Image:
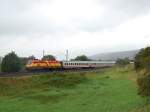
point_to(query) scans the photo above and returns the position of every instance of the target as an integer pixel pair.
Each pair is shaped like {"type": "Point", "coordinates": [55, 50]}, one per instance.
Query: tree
{"type": "Point", "coordinates": [0, 60]}
{"type": "Point", "coordinates": [24, 60]}
{"type": "Point", "coordinates": [49, 58]}
{"type": "Point", "coordinates": [142, 65]}
{"type": "Point", "coordinates": [82, 58]}
{"type": "Point", "coordinates": [31, 57]}
{"type": "Point", "coordinates": [11, 63]}
{"type": "Point", "coordinates": [123, 62]}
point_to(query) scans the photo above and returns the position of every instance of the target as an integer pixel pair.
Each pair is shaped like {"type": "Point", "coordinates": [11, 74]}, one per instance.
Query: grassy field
{"type": "Point", "coordinates": [111, 90]}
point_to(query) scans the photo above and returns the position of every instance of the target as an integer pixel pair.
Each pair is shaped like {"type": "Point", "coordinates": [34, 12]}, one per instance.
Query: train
{"type": "Point", "coordinates": [51, 65]}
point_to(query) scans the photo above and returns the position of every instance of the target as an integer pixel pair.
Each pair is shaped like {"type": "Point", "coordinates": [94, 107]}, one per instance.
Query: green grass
{"type": "Point", "coordinates": [111, 90]}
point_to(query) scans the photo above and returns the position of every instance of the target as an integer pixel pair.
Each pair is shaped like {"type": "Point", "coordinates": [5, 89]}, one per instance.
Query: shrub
{"type": "Point", "coordinates": [143, 82]}
{"type": "Point", "coordinates": [123, 62]}
{"type": "Point", "coordinates": [11, 63]}
{"type": "Point", "coordinates": [142, 65]}
{"type": "Point", "coordinates": [142, 59]}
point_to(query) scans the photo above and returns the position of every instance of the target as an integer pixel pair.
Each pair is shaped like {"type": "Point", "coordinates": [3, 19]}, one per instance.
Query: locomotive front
{"type": "Point", "coordinates": [40, 64]}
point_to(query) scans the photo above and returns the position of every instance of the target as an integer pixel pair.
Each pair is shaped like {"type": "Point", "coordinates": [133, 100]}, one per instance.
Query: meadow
{"type": "Point", "coordinates": [107, 90]}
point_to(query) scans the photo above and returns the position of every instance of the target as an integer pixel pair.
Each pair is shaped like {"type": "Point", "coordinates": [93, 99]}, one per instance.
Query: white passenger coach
{"type": "Point", "coordinates": [87, 64]}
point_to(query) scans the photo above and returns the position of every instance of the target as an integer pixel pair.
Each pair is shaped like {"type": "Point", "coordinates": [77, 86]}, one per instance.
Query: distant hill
{"type": "Point", "coordinates": [115, 55]}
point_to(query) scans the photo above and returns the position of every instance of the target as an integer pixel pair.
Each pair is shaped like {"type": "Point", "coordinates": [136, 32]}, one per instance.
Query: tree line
{"type": "Point", "coordinates": [13, 63]}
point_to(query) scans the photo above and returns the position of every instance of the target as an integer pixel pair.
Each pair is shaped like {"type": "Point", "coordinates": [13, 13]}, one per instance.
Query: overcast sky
{"type": "Point", "coordinates": [82, 26]}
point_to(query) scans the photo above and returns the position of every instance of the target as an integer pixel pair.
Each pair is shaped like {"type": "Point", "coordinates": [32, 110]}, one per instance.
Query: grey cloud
{"type": "Point", "coordinates": [21, 24]}
{"type": "Point", "coordinates": [130, 6]}
{"type": "Point", "coordinates": [16, 16]}
{"type": "Point", "coordinates": [117, 12]}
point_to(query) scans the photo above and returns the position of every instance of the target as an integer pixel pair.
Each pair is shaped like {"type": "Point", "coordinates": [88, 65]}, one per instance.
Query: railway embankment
{"type": "Point", "coordinates": [109, 90]}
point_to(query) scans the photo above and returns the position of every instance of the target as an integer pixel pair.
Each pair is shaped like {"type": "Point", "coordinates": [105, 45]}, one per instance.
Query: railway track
{"type": "Point", "coordinates": [29, 73]}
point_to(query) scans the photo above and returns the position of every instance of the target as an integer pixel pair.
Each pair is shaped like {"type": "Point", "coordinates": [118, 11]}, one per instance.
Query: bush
{"type": "Point", "coordinates": [142, 65]}
{"type": "Point", "coordinates": [143, 82]}
{"type": "Point", "coordinates": [142, 59]}
{"type": "Point", "coordinates": [123, 62]}
{"type": "Point", "coordinates": [11, 63]}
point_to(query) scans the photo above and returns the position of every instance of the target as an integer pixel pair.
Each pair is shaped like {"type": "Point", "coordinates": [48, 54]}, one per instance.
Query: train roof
{"type": "Point", "coordinates": [88, 61]}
